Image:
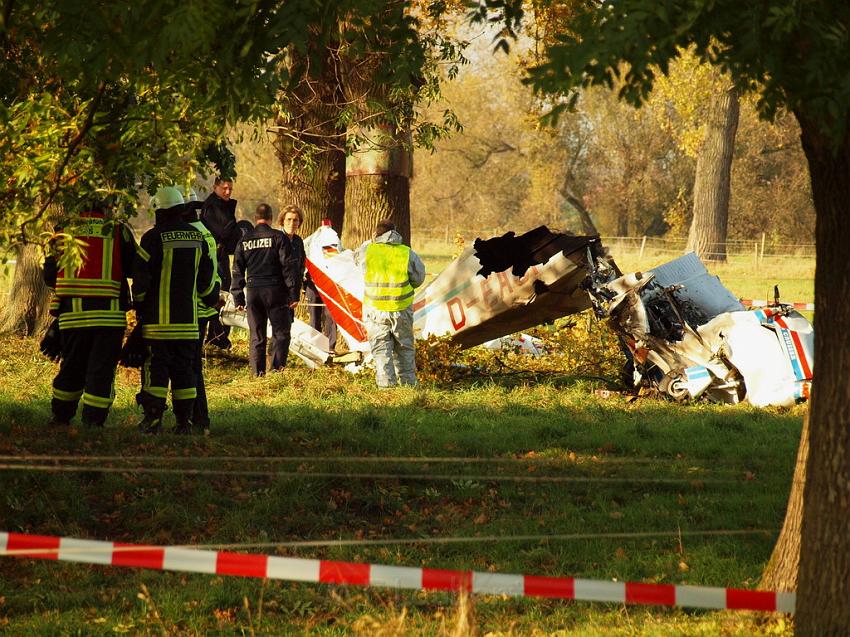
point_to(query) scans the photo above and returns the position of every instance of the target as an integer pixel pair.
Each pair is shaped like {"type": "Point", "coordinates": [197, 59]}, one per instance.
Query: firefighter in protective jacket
{"type": "Point", "coordinates": [174, 271]}
{"type": "Point", "coordinates": [91, 302]}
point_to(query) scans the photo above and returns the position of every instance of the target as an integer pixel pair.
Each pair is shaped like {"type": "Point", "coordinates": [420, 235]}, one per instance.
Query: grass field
{"type": "Point", "coordinates": [647, 465]}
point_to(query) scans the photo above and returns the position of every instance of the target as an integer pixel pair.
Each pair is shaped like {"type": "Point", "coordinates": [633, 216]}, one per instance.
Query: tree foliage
{"type": "Point", "coordinates": [100, 101]}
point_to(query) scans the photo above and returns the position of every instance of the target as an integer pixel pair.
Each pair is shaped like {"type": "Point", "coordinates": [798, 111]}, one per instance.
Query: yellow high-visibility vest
{"type": "Point", "coordinates": [388, 287]}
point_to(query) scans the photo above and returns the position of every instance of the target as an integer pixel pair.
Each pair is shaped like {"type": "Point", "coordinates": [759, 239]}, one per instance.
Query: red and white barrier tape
{"type": "Point", "coordinates": [175, 558]}
{"type": "Point", "coordinates": [797, 305]}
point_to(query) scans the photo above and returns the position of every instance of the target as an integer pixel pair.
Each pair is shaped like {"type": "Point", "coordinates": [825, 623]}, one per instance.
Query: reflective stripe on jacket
{"type": "Point", "coordinates": [168, 284]}
{"type": "Point", "coordinates": [204, 310]}
{"type": "Point", "coordinates": [388, 287]}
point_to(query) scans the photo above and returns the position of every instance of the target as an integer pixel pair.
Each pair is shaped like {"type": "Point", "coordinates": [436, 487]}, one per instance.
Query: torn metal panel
{"type": "Point", "coordinates": [309, 345]}
{"type": "Point", "coordinates": [506, 284]}
{"type": "Point", "coordinates": [696, 288]}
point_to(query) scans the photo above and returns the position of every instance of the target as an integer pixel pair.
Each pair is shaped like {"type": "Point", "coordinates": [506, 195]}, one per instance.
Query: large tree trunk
{"type": "Point", "coordinates": [707, 236]}
{"type": "Point", "coordinates": [824, 582]}
{"type": "Point", "coordinates": [783, 568]}
{"type": "Point", "coordinates": [311, 148]}
{"type": "Point", "coordinates": [25, 312]}
{"type": "Point", "coordinates": [378, 171]}
{"type": "Point", "coordinates": [371, 198]}
{"type": "Point", "coordinates": [319, 190]}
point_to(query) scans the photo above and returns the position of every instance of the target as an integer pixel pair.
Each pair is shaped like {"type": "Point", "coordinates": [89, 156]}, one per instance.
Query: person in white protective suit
{"type": "Point", "coordinates": [391, 271]}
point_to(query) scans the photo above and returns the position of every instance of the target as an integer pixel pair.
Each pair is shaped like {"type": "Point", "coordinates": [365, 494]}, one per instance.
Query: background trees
{"type": "Point", "coordinates": [632, 170]}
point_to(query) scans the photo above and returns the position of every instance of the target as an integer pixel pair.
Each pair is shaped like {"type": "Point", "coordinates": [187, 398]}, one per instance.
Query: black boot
{"type": "Point", "coordinates": [151, 423]}
{"type": "Point", "coordinates": [183, 428]}
{"type": "Point", "coordinates": [58, 423]}
{"type": "Point", "coordinates": [93, 416]}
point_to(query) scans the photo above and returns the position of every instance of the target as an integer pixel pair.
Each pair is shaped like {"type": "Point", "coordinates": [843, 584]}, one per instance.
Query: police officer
{"type": "Point", "coordinates": [174, 271]}
{"type": "Point", "coordinates": [391, 271]}
{"type": "Point", "coordinates": [219, 216]}
{"type": "Point", "coordinates": [200, 412]}
{"type": "Point", "coordinates": [91, 302]}
{"type": "Point", "coordinates": [266, 265]}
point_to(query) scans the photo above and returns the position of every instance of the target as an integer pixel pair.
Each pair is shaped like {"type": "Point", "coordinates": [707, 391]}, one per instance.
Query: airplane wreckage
{"type": "Point", "coordinates": [682, 332]}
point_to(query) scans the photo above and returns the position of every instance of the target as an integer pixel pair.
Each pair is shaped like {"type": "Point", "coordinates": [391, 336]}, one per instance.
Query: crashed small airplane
{"type": "Point", "coordinates": [682, 331]}
{"type": "Point", "coordinates": [688, 336]}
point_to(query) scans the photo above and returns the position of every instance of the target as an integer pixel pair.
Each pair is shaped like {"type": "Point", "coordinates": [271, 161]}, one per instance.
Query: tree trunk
{"type": "Point", "coordinates": [310, 146]}
{"type": "Point", "coordinates": [379, 168]}
{"type": "Point", "coordinates": [588, 228]}
{"type": "Point", "coordinates": [25, 313]}
{"type": "Point", "coordinates": [824, 581]}
{"type": "Point", "coordinates": [319, 190]}
{"type": "Point", "coordinates": [782, 569]}
{"type": "Point", "coordinates": [371, 198]}
{"type": "Point", "coordinates": [623, 223]}
{"type": "Point", "coordinates": [707, 236]}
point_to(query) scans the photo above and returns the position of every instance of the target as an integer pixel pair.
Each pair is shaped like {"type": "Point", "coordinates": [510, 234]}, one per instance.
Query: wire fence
{"type": "Point", "coordinates": [758, 246]}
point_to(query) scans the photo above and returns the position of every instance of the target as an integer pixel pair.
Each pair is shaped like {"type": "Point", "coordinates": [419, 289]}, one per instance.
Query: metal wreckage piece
{"type": "Point", "coordinates": [682, 331]}
{"type": "Point", "coordinates": [688, 336]}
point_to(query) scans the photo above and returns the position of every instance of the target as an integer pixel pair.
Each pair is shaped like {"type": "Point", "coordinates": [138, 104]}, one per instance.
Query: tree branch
{"type": "Point", "coordinates": [72, 150]}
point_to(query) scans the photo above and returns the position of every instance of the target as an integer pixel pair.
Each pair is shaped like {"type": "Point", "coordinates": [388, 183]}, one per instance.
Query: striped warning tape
{"type": "Point", "coordinates": [797, 305]}
{"type": "Point", "coordinates": [175, 558]}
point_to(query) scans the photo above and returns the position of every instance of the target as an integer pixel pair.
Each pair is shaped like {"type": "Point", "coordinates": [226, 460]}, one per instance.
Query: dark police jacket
{"type": "Point", "coordinates": [219, 216]}
{"type": "Point", "coordinates": [174, 270]}
{"type": "Point", "coordinates": [264, 257]}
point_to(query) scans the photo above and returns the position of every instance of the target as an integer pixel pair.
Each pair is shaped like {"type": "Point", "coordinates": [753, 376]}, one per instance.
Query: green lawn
{"type": "Point", "coordinates": [645, 465]}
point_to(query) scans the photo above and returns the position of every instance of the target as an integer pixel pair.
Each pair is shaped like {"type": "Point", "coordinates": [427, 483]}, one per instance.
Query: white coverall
{"type": "Point", "coordinates": [391, 333]}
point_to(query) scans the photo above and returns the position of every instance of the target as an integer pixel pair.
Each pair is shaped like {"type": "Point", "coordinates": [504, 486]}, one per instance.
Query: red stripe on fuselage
{"type": "Point", "coordinates": [798, 345]}
{"type": "Point", "coordinates": [345, 308]}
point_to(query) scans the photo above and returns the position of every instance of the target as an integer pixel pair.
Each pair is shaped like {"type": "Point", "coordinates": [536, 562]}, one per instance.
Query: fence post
{"type": "Point", "coordinates": [756, 255]}
{"type": "Point", "coordinates": [761, 256]}
{"type": "Point", "coordinates": [642, 246]}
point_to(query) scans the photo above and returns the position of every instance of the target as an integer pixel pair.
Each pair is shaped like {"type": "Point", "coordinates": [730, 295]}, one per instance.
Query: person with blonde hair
{"type": "Point", "coordinates": [291, 219]}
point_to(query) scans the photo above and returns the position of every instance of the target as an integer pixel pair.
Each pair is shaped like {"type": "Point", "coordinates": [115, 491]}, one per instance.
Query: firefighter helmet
{"type": "Point", "coordinates": [166, 197]}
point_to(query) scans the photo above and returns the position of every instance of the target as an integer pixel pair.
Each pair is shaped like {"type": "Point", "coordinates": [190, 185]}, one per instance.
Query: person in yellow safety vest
{"type": "Point", "coordinates": [391, 271]}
